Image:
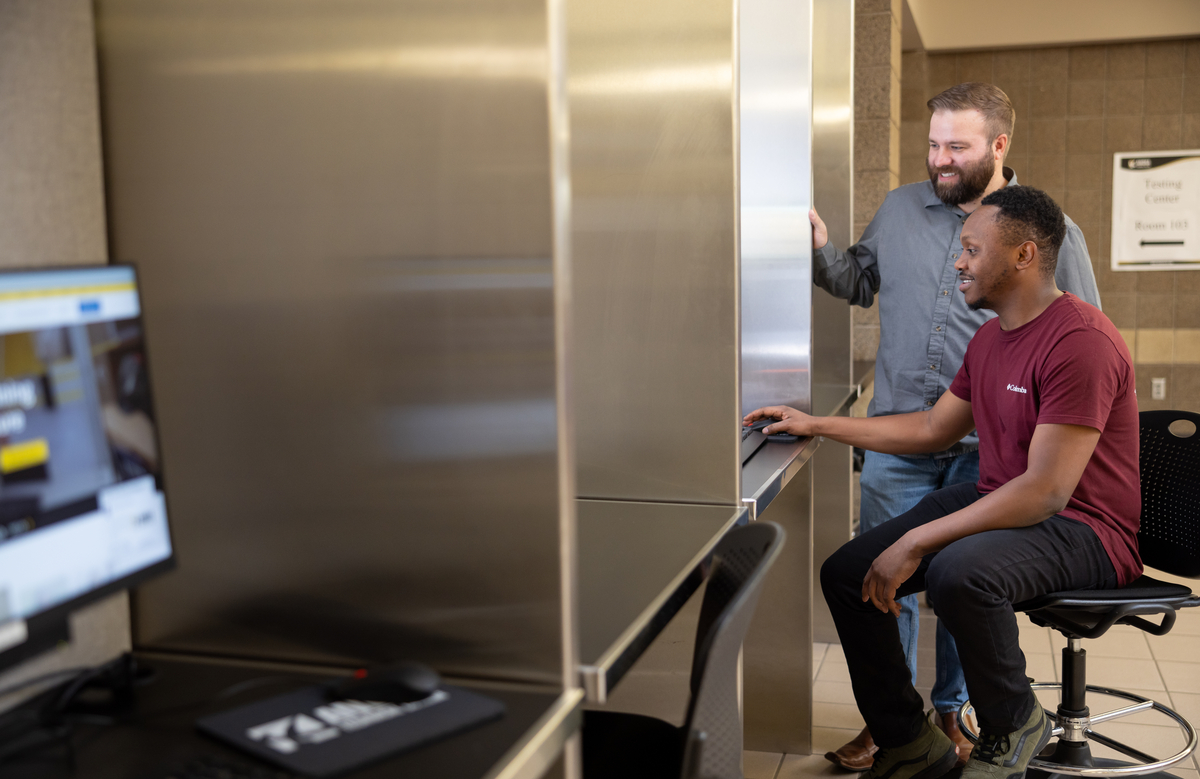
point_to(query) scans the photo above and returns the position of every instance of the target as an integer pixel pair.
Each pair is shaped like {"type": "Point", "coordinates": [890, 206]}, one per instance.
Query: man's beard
{"type": "Point", "coordinates": [972, 181]}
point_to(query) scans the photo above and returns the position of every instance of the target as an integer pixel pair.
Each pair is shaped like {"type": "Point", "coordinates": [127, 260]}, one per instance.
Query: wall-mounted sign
{"type": "Point", "coordinates": [1156, 211]}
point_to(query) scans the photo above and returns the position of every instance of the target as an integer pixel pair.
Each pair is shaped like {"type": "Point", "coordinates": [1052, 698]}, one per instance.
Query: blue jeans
{"type": "Point", "coordinates": [891, 486]}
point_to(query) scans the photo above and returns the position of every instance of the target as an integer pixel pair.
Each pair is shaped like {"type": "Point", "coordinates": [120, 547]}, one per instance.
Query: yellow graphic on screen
{"type": "Point", "coordinates": [24, 456]}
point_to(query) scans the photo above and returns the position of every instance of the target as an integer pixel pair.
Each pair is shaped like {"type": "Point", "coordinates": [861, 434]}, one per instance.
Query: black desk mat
{"type": "Point", "coordinates": [304, 732]}
{"type": "Point", "coordinates": [162, 731]}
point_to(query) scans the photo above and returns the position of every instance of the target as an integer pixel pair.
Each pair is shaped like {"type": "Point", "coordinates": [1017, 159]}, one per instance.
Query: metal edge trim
{"type": "Point", "coordinates": [787, 471]}
{"type": "Point", "coordinates": [542, 743]}
{"type": "Point", "coordinates": [614, 652]}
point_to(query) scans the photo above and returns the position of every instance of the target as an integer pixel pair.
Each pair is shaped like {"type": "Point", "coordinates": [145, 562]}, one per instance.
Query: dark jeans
{"type": "Point", "coordinates": [973, 584]}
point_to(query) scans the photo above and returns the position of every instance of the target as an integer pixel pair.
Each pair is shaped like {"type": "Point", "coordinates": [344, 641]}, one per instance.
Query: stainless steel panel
{"type": "Point", "coordinates": [638, 565]}
{"type": "Point", "coordinates": [777, 658]}
{"type": "Point", "coordinates": [775, 138]}
{"type": "Point", "coordinates": [654, 257]}
{"type": "Point", "coordinates": [343, 213]}
{"type": "Point", "coordinates": [833, 151]}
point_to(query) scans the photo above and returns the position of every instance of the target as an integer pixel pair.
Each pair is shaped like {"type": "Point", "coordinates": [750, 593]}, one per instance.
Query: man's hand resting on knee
{"type": "Point", "coordinates": [891, 569]}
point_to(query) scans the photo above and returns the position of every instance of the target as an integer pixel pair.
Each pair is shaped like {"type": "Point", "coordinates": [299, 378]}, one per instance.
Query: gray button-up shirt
{"type": "Point", "coordinates": [907, 255]}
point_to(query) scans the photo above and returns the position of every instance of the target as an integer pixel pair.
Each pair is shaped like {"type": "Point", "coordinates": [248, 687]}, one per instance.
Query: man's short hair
{"type": "Point", "coordinates": [1028, 214]}
{"type": "Point", "coordinates": [988, 99]}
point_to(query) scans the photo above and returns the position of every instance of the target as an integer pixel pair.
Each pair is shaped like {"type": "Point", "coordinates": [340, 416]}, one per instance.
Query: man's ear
{"type": "Point", "coordinates": [1000, 146]}
{"type": "Point", "coordinates": [1027, 255]}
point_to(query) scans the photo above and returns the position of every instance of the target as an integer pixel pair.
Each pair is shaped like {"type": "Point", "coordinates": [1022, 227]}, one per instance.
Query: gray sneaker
{"type": "Point", "coordinates": [1007, 756]}
{"type": "Point", "coordinates": [928, 756]}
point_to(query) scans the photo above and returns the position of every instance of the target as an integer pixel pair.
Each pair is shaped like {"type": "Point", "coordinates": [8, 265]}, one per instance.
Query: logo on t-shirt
{"type": "Point", "coordinates": [1015, 388]}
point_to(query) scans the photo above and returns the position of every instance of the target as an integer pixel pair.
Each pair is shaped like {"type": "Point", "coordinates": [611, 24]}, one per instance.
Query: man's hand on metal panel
{"type": "Point", "coordinates": [790, 420]}
{"type": "Point", "coordinates": [820, 233]}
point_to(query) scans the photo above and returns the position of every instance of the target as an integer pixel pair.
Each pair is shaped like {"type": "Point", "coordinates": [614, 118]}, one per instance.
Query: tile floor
{"type": "Point", "coordinates": [1164, 668]}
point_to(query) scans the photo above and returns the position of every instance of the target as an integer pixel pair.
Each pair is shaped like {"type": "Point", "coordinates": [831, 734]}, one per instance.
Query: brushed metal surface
{"type": "Point", "coordinates": [777, 657]}
{"type": "Point", "coordinates": [654, 260]}
{"type": "Point", "coordinates": [776, 147]}
{"type": "Point", "coordinates": [343, 214]}
{"type": "Point", "coordinates": [638, 565]}
{"type": "Point", "coordinates": [833, 181]}
{"type": "Point", "coordinates": [833, 185]}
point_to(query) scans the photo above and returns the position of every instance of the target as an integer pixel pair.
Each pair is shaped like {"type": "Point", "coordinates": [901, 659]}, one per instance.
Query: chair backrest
{"type": "Point", "coordinates": [714, 730]}
{"type": "Point", "coordinates": [1169, 537]}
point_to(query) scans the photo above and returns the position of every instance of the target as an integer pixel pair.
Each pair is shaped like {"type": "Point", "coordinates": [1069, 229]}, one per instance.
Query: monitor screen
{"type": "Point", "coordinates": [82, 510]}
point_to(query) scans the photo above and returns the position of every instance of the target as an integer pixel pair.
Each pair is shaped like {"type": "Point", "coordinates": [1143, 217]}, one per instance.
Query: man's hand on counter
{"type": "Point", "coordinates": [820, 233]}
{"type": "Point", "coordinates": [790, 420]}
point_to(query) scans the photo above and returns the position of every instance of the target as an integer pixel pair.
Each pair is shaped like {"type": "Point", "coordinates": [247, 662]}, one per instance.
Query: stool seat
{"type": "Point", "coordinates": [1089, 613]}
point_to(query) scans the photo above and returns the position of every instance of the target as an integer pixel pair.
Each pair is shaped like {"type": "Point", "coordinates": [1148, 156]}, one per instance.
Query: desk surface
{"type": "Point", "coordinates": [638, 565]}
{"type": "Point", "coordinates": [163, 732]}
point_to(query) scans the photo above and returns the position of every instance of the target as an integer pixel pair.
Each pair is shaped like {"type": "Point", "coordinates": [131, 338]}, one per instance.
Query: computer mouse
{"type": "Point", "coordinates": [396, 683]}
{"type": "Point", "coordinates": [759, 424]}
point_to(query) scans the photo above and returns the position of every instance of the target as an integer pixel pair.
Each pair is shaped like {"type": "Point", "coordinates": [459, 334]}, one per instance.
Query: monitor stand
{"type": "Point", "coordinates": [42, 635]}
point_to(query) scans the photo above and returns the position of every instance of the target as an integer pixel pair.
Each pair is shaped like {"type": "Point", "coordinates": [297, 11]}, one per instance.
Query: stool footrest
{"type": "Point", "coordinates": [1097, 767]}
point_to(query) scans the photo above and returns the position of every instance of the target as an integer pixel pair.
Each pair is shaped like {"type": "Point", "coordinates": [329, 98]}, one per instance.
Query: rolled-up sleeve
{"type": "Point", "coordinates": [853, 274]}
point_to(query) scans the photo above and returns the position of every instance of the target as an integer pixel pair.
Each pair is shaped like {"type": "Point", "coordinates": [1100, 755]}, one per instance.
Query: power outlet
{"type": "Point", "coordinates": [1158, 389]}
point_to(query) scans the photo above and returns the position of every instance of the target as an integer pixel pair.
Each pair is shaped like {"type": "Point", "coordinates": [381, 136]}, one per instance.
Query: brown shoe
{"type": "Point", "coordinates": [856, 755]}
{"type": "Point", "coordinates": [948, 722]}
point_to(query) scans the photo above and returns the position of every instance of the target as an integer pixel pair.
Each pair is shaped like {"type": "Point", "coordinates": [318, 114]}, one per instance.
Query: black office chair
{"type": "Point", "coordinates": [709, 744]}
{"type": "Point", "coordinates": [1169, 540]}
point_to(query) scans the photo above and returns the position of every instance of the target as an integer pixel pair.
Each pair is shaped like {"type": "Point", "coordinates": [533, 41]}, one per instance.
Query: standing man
{"type": "Point", "coordinates": [907, 255]}
{"type": "Point", "coordinates": [1049, 384]}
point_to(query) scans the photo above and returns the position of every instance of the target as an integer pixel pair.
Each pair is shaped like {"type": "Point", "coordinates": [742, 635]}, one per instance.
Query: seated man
{"type": "Point", "coordinates": [1049, 385]}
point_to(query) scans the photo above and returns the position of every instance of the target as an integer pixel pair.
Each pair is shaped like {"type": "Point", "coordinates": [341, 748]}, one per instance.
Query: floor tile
{"type": "Point", "coordinates": [1159, 742]}
{"type": "Point", "coordinates": [1123, 673]}
{"type": "Point", "coordinates": [1179, 647]}
{"type": "Point", "coordinates": [808, 766]}
{"type": "Point", "coordinates": [1180, 677]}
{"type": "Point", "coordinates": [1187, 704]}
{"type": "Point", "coordinates": [833, 671]}
{"type": "Point", "coordinates": [829, 739]}
{"type": "Point", "coordinates": [1187, 623]}
{"type": "Point", "coordinates": [833, 692]}
{"type": "Point", "coordinates": [836, 715]}
{"type": "Point", "coordinates": [761, 765]}
{"type": "Point", "coordinates": [1041, 667]}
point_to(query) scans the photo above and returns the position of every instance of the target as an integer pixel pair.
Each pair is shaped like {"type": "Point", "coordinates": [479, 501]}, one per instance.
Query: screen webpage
{"type": "Point", "coordinates": [80, 498]}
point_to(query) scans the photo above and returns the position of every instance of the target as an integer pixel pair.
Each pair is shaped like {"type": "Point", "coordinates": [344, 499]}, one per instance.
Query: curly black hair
{"type": "Point", "coordinates": [1029, 214]}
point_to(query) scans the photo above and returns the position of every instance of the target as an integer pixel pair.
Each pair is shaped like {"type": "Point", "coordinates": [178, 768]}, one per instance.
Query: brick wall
{"type": "Point", "coordinates": [876, 132]}
{"type": "Point", "coordinates": [1076, 106]}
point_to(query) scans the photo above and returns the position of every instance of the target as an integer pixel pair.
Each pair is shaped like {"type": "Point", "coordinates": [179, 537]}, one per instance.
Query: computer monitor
{"type": "Point", "coordinates": [82, 508]}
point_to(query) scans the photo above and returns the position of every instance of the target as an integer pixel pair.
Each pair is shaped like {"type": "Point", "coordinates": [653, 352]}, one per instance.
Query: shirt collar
{"type": "Point", "coordinates": [931, 198]}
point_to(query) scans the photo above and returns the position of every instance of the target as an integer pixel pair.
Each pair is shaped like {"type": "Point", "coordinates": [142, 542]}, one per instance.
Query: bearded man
{"type": "Point", "coordinates": [907, 256]}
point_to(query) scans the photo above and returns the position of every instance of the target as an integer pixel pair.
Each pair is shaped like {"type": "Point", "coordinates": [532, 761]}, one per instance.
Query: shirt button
{"type": "Point", "coordinates": [945, 292]}
{"type": "Point", "coordinates": [938, 328]}
{"type": "Point", "coordinates": [929, 403]}
{"type": "Point", "coordinates": [954, 256]}
{"type": "Point", "coordinates": [933, 367]}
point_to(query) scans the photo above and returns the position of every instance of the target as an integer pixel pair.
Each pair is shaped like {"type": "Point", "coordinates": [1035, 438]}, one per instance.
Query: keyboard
{"type": "Point", "coordinates": [751, 441]}
{"type": "Point", "coordinates": [213, 767]}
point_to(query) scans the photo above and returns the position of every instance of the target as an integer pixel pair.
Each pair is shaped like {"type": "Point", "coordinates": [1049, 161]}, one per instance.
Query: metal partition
{"type": "Point", "coordinates": [654, 253]}
{"type": "Point", "coordinates": [833, 196]}
{"type": "Point", "coordinates": [345, 217]}
{"type": "Point", "coordinates": [776, 148]}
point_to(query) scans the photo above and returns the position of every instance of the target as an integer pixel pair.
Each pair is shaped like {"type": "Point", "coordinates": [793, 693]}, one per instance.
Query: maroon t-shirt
{"type": "Point", "coordinates": [1067, 366]}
